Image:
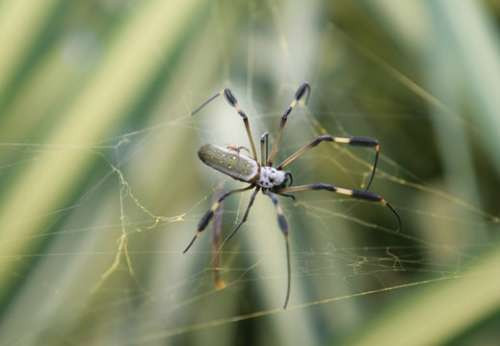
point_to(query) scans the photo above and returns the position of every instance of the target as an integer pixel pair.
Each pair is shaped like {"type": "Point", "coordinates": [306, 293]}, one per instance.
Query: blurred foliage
{"type": "Point", "coordinates": [102, 188]}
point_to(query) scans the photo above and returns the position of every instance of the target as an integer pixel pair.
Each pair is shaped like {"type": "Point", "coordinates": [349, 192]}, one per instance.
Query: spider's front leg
{"type": "Point", "coordinates": [358, 194]}
{"type": "Point", "coordinates": [283, 225]}
{"type": "Point", "coordinates": [264, 148]}
{"type": "Point", "coordinates": [353, 141]}
{"type": "Point", "coordinates": [205, 220]}
{"type": "Point", "coordinates": [303, 91]}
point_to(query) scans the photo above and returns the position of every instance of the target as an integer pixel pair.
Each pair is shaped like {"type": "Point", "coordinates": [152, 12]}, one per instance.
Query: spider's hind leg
{"type": "Point", "coordinates": [233, 102]}
{"type": "Point", "coordinates": [245, 216]}
{"type": "Point", "coordinates": [205, 220]}
{"type": "Point", "coordinates": [216, 237]}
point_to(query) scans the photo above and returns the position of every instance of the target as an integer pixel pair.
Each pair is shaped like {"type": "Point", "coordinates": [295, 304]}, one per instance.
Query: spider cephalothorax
{"type": "Point", "coordinates": [270, 177]}
{"type": "Point", "coordinates": [274, 181]}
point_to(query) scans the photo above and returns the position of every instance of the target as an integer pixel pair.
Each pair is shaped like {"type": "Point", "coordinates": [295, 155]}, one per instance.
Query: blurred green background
{"type": "Point", "coordinates": [102, 187]}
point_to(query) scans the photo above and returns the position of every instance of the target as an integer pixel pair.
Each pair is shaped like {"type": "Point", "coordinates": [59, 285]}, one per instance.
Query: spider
{"type": "Point", "coordinates": [274, 181]}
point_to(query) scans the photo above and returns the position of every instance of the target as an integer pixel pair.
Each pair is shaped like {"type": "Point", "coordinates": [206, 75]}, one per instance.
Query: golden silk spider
{"type": "Point", "coordinates": [274, 181]}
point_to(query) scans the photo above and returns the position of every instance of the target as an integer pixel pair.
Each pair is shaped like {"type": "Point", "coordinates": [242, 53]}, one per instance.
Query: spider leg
{"type": "Point", "coordinates": [359, 194]}
{"type": "Point", "coordinates": [234, 103]}
{"type": "Point", "coordinates": [287, 195]}
{"type": "Point", "coordinates": [264, 148]}
{"type": "Point", "coordinates": [217, 229]}
{"type": "Point", "coordinates": [354, 141]}
{"type": "Point", "coordinates": [304, 89]}
{"type": "Point", "coordinates": [205, 220]}
{"type": "Point", "coordinates": [245, 216]}
{"type": "Point", "coordinates": [283, 224]}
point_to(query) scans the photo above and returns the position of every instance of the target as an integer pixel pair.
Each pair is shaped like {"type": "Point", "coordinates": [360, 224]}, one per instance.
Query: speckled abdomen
{"type": "Point", "coordinates": [234, 164]}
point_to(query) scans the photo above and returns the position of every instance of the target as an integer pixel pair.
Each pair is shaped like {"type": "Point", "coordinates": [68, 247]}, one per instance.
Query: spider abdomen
{"type": "Point", "coordinates": [229, 162]}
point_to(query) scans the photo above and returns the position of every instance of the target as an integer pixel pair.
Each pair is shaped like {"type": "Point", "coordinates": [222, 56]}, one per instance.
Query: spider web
{"type": "Point", "coordinates": [110, 265]}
